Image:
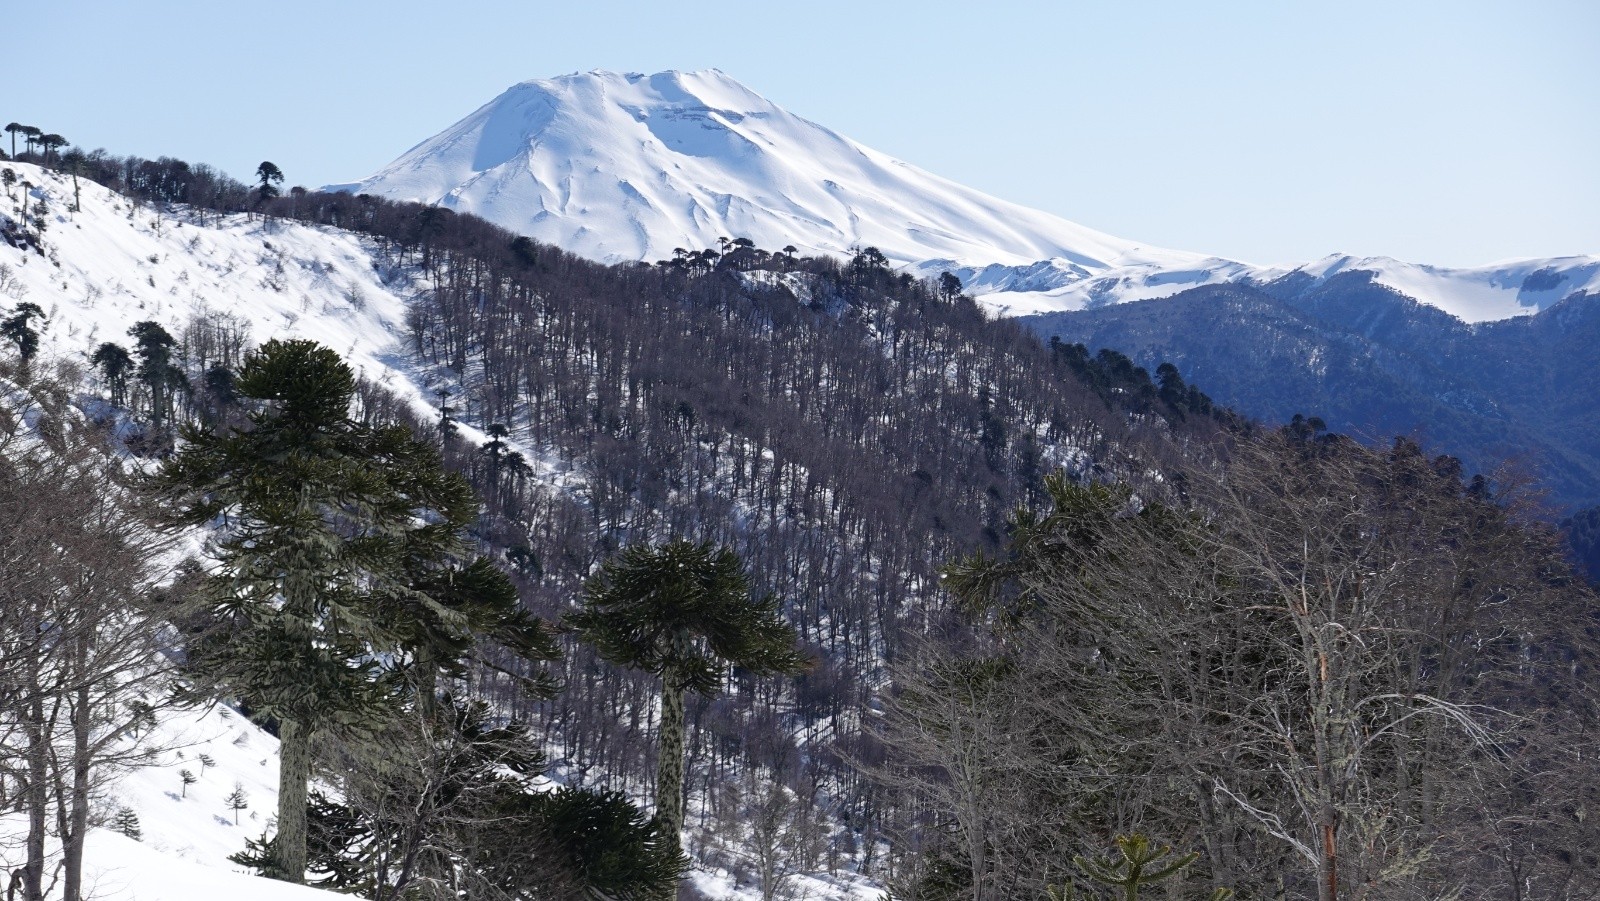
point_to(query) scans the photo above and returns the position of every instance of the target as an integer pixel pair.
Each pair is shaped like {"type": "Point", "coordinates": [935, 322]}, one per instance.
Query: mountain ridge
{"type": "Point", "coordinates": [627, 167]}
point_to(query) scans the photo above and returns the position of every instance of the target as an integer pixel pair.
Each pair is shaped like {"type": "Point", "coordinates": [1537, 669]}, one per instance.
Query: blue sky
{"type": "Point", "coordinates": [1455, 133]}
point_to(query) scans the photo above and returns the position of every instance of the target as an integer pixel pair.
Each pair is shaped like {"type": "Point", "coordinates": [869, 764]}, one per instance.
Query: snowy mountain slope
{"type": "Point", "coordinates": [1490, 293]}
{"type": "Point", "coordinates": [103, 268]}
{"type": "Point", "coordinates": [627, 167]}
{"type": "Point", "coordinates": [1479, 294]}
{"type": "Point", "coordinates": [111, 263]}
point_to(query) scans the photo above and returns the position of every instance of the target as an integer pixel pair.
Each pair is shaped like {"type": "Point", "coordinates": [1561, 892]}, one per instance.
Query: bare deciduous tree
{"type": "Point", "coordinates": [76, 644]}
{"type": "Point", "coordinates": [1324, 678]}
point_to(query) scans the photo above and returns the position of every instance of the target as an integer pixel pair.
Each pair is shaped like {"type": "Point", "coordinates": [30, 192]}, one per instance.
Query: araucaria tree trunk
{"type": "Point", "coordinates": [683, 610]}
{"type": "Point", "coordinates": [294, 773]}
{"type": "Point", "coordinates": [669, 766]}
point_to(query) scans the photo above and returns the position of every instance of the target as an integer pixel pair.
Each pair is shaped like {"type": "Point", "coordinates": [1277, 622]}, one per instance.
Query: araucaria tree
{"type": "Point", "coordinates": [161, 377]}
{"type": "Point", "coordinates": [114, 364]}
{"type": "Point", "coordinates": [18, 329]}
{"type": "Point", "coordinates": [271, 176]}
{"type": "Point", "coordinates": [338, 573]}
{"type": "Point", "coordinates": [683, 611]}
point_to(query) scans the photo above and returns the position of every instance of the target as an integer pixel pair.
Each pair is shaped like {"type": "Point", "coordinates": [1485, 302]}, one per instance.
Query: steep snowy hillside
{"type": "Point", "coordinates": [628, 167]}
{"type": "Point", "coordinates": [113, 263]}
{"type": "Point", "coordinates": [104, 263]}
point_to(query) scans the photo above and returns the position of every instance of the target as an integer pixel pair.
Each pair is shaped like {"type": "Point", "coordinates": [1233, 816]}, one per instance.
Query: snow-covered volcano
{"type": "Point", "coordinates": [627, 167]}
{"type": "Point", "coordinates": [619, 167]}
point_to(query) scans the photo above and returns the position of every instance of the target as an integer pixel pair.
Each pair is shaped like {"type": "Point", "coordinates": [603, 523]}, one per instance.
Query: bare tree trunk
{"type": "Point", "coordinates": [38, 801]}
{"type": "Point", "coordinates": [77, 802]}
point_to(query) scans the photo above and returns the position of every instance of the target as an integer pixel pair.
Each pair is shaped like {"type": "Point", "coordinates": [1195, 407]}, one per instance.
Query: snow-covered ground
{"type": "Point", "coordinates": [121, 869]}
{"type": "Point", "coordinates": [112, 264]}
{"type": "Point", "coordinates": [628, 167]}
{"type": "Point", "coordinates": [184, 833]}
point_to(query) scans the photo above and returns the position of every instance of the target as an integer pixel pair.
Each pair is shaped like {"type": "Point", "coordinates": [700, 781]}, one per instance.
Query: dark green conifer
{"type": "Point", "coordinates": [126, 822]}
{"type": "Point", "coordinates": [1136, 865]}
{"type": "Point", "coordinates": [154, 346]}
{"type": "Point", "coordinates": [342, 565]}
{"type": "Point", "coordinates": [114, 364]}
{"type": "Point", "coordinates": [684, 612]}
{"type": "Point", "coordinates": [18, 329]}
{"type": "Point", "coordinates": [270, 177]}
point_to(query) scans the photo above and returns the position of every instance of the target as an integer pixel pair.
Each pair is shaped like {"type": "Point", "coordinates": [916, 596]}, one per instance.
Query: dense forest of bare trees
{"type": "Point", "coordinates": [1338, 673]}
{"type": "Point", "coordinates": [844, 428]}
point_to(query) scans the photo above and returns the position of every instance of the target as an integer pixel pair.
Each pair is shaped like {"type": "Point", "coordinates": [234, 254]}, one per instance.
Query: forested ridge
{"type": "Point", "coordinates": [850, 433]}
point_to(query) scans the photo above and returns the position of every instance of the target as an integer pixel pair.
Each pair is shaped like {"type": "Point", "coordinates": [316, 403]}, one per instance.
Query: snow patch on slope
{"type": "Point", "coordinates": [1479, 294]}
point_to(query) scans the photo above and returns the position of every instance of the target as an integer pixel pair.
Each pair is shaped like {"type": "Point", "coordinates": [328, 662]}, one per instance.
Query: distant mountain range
{"type": "Point", "coordinates": [1487, 361]}
{"type": "Point", "coordinates": [1375, 363]}
{"type": "Point", "coordinates": [619, 167]}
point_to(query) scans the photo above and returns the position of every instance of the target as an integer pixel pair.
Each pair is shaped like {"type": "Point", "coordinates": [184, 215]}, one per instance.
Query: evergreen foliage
{"type": "Point", "coordinates": [18, 328]}
{"type": "Point", "coordinates": [684, 612]}
{"type": "Point", "coordinates": [236, 801]}
{"type": "Point", "coordinates": [269, 177]}
{"type": "Point", "coordinates": [454, 809]}
{"type": "Point", "coordinates": [949, 286]}
{"type": "Point", "coordinates": [1136, 865]}
{"type": "Point", "coordinates": [14, 129]}
{"type": "Point", "coordinates": [157, 370]}
{"type": "Point", "coordinates": [339, 563]}
{"type": "Point", "coordinates": [596, 842]}
{"type": "Point", "coordinates": [114, 364]}
{"type": "Point", "coordinates": [126, 822]}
